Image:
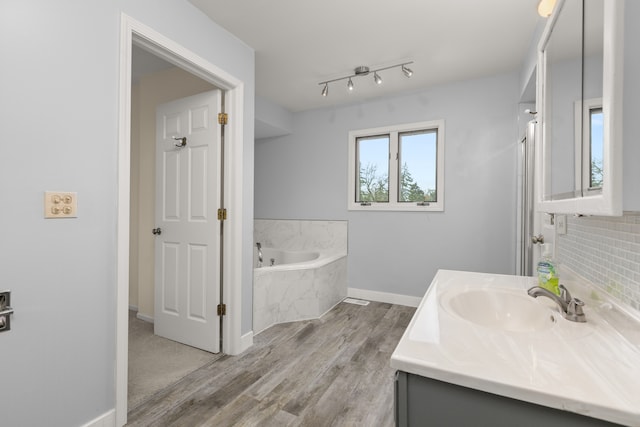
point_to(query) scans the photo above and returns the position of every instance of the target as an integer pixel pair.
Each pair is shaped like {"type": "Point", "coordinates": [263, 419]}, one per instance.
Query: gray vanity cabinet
{"type": "Point", "coordinates": [421, 401]}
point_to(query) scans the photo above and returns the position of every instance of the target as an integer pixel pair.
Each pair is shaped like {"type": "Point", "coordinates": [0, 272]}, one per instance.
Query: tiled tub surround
{"type": "Point", "coordinates": [590, 368]}
{"type": "Point", "coordinates": [301, 235]}
{"type": "Point", "coordinates": [303, 290]}
{"type": "Point", "coordinates": [605, 251]}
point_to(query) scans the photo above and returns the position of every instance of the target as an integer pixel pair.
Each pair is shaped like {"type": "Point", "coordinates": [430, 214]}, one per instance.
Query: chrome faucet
{"type": "Point", "coordinates": [259, 254]}
{"type": "Point", "coordinates": [571, 308]}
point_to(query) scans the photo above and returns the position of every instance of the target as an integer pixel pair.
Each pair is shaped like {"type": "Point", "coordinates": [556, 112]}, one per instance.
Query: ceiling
{"type": "Point", "coordinates": [301, 43]}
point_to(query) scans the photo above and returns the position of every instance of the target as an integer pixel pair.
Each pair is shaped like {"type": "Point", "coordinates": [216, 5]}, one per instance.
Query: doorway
{"type": "Point", "coordinates": [155, 362]}
{"type": "Point", "coordinates": [136, 33]}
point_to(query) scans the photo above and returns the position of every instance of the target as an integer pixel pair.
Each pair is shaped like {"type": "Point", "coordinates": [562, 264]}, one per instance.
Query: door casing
{"type": "Point", "coordinates": [132, 31]}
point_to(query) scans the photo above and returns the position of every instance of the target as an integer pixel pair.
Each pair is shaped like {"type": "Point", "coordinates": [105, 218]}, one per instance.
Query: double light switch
{"type": "Point", "coordinates": [59, 204]}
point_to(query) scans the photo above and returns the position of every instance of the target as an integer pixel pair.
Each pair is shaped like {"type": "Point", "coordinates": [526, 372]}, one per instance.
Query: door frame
{"type": "Point", "coordinates": [134, 32]}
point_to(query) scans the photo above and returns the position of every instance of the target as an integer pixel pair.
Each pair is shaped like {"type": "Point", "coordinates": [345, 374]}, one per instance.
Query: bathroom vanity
{"type": "Point", "coordinates": [480, 351]}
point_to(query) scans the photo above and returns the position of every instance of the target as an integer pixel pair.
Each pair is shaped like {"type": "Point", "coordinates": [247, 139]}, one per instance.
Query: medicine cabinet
{"type": "Point", "coordinates": [579, 103]}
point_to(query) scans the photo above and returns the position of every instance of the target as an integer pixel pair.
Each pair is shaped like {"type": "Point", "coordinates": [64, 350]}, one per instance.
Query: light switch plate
{"type": "Point", "coordinates": [60, 204]}
{"type": "Point", "coordinates": [561, 224]}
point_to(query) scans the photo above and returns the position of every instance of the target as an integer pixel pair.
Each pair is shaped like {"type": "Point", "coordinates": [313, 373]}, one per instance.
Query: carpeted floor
{"type": "Point", "coordinates": [155, 362]}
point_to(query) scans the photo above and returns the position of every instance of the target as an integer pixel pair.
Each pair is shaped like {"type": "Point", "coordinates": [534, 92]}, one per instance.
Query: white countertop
{"type": "Point", "coordinates": [588, 368]}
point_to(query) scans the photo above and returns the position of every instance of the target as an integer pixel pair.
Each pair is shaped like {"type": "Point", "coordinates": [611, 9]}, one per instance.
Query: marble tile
{"type": "Point", "coordinates": [286, 296]}
{"type": "Point", "coordinates": [297, 235]}
{"type": "Point", "coordinates": [306, 293]}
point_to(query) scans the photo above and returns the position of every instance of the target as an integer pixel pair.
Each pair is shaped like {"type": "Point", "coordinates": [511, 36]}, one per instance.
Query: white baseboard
{"type": "Point", "coordinates": [246, 341]}
{"type": "Point", "coordinates": [144, 317]}
{"type": "Point", "coordinates": [389, 298]}
{"type": "Point", "coordinates": [108, 419]}
{"type": "Point", "coordinates": [133, 308]}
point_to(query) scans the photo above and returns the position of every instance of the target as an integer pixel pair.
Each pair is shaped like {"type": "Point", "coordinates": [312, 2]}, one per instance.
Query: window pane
{"type": "Point", "coordinates": [373, 169]}
{"type": "Point", "coordinates": [417, 166]}
{"type": "Point", "coordinates": [596, 147]}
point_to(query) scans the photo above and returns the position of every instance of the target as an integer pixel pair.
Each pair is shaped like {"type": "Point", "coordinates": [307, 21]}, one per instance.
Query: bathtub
{"type": "Point", "coordinates": [287, 260]}
{"type": "Point", "coordinates": [299, 285]}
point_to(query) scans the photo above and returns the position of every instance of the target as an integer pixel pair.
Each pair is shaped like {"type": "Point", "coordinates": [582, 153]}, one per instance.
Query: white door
{"type": "Point", "coordinates": [187, 247]}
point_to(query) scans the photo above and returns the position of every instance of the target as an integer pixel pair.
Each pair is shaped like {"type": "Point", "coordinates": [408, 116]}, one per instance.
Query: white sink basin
{"type": "Point", "coordinates": [505, 310]}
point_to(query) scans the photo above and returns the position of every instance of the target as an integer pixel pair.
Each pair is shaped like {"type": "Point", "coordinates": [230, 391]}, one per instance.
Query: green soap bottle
{"type": "Point", "coordinates": [547, 270]}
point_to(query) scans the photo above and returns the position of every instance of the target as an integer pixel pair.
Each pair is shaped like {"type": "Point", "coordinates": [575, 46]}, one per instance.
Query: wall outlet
{"type": "Point", "coordinates": [561, 224]}
{"type": "Point", "coordinates": [59, 204]}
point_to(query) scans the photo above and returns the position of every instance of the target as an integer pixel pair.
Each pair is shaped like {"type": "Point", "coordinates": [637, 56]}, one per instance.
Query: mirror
{"type": "Point", "coordinates": [579, 105]}
{"type": "Point", "coordinates": [563, 95]}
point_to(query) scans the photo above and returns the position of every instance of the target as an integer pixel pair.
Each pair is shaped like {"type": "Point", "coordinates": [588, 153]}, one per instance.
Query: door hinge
{"type": "Point", "coordinates": [222, 309]}
{"type": "Point", "coordinates": [223, 118]}
{"type": "Point", "coordinates": [222, 214]}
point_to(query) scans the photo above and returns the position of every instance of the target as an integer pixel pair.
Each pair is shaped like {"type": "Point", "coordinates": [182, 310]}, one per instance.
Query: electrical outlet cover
{"type": "Point", "coordinates": [561, 224]}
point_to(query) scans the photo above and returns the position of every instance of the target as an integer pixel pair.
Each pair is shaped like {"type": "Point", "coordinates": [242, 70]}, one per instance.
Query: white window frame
{"type": "Point", "coordinates": [583, 144]}
{"type": "Point", "coordinates": [393, 204]}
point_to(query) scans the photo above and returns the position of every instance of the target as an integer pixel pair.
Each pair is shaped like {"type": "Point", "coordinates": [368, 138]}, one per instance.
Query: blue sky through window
{"type": "Point", "coordinates": [597, 143]}
{"type": "Point", "coordinates": [418, 152]}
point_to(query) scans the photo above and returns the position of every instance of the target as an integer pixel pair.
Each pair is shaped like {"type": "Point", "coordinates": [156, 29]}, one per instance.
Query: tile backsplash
{"type": "Point", "coordinates": [606, 251]}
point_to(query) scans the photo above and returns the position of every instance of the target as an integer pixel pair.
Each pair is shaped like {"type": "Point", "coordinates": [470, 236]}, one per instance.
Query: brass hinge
{"type": "Point", "coordinates": [222, 214]}
{"type": "Point", "coordinates": [223, 118]}
{"type": "Point", "coordinates": [222, 309]}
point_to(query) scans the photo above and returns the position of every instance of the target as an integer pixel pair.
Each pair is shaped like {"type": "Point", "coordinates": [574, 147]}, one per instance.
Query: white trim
{"type": "Point", "coordinates": [393, 204]}
{"type": "Point", "coordinates": [389, 298]}
{"type": "Point", "coordinates": [132, 31]}
{"type": "Point", "coordinates": [246, 341]}
{"type": "Point", "coordinates": [609, 200]}
{"type": "Point", "coordinates": [145, 317]}
{"type": "Point", "coordinates": [122, 234]}
{"type": "Point", "coordinates": [108, 419]}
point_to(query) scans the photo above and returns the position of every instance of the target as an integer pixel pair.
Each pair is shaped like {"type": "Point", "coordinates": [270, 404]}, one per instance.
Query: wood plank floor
{"type": "Point", "coordinates": [333, 371]}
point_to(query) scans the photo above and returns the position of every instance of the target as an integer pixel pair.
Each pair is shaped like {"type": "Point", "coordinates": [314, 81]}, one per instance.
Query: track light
{"type": "Point", "coordinates": [365, 71]}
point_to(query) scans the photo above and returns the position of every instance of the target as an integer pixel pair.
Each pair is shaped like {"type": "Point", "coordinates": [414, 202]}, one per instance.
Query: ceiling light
{"type": "Point", "coordinates": [545, 7]}
{"type": "Point", "coordinates": [365, 71]}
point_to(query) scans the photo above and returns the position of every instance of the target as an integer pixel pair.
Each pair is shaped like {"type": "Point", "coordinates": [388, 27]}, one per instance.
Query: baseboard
{"type": "Point", "coordinates": [144, 317]}
{"type": "Point", "coordinates": [389, 298]}
{"type": "Point", "coordinates": [133, 308]}
{"type": "Point", "coordinates": [108, 419]}
{"type": "Point", "coordinates": [246, 341]}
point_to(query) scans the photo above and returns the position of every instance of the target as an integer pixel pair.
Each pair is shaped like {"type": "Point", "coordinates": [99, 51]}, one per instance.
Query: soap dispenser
{"type": "Point", "coordinates": [547, 270]}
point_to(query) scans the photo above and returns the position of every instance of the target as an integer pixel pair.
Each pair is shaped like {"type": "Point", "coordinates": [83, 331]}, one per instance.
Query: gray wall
{"type": "Point", "coordinates": [59, 115]}
{"type": "Point", "coordinates": [304, 175]}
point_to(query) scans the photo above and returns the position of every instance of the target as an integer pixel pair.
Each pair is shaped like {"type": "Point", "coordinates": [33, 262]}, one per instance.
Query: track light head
{"type": "Point", "coordinates": [350, 85]}
{"type": "Point", "coordinates": [325, 89]}
{"type": "Point", "coordinates": [377, 78]}
{"type": "Point", "coordinates": [407, 71]}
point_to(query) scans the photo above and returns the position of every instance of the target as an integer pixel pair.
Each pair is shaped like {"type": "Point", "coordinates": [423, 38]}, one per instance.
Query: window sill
{"type": "Point", "coordinates": [433, 207]}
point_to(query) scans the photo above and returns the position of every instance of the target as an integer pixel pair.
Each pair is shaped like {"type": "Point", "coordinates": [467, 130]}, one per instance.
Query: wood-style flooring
{"type": "Point", "coordinates": [332, 371]}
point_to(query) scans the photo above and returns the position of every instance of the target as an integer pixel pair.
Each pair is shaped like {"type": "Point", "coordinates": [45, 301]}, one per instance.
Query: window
{"type": "Point", "coordinates": [596, 147]}
{"type": "Point", "coordinates": [590, 143]}
{"type": "Point", "coordinates": [399, 168]}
